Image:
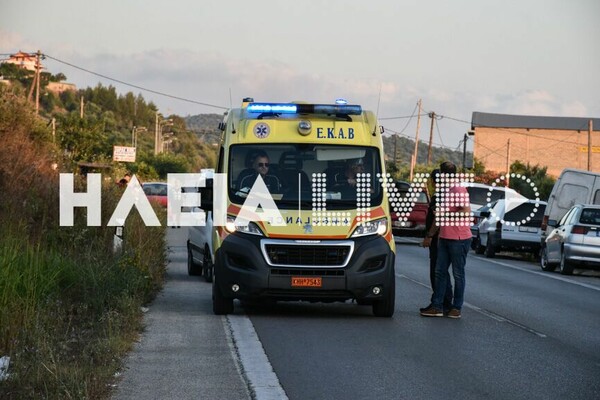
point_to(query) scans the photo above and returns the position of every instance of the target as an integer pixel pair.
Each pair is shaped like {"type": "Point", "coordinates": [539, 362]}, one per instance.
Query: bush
{"type": "Point", "coordinates": [69, 306]}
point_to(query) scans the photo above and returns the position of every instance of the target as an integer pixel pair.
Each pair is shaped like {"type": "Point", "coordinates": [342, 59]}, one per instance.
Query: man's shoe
{"type": "Point", "coordinates": [431, 312]}
{"type": "Point", "coordinates": [425, 308]}
{"type": "Point", "coordinates": [454, 313]}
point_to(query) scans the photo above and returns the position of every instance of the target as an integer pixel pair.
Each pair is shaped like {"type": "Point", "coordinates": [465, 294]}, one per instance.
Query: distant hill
{"type": "Point", "coordinates": [405, 147]}
{"type": "Point", "coordinates": [206, 126]}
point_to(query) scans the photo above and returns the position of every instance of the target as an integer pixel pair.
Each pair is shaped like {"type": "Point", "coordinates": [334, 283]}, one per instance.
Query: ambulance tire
{"type": "Point", "coordinates": [386, 306]}
{"type": "Point", "coordinates": [221, 305]}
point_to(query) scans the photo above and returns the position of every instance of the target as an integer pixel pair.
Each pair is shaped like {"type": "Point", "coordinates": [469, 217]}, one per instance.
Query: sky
{"type": "Point", "coordinates": [526, 57]}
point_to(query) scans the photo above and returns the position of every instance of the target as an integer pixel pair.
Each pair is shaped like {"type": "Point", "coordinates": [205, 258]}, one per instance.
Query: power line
{"type": "Point", "coordinates": [412, 138]}
{"type": "Point", "coordinates": [135, 86]}
{"type": "Point", "coordinates": [437, 127]}
{"type": "Point", "coordinates": [402, 117]}
{"type": "Point", "coordinates": [509, 131]}
{"type": "Point", "coordinates": [491, 151]}
{"type": "Point", "coordinates": [407, 123]}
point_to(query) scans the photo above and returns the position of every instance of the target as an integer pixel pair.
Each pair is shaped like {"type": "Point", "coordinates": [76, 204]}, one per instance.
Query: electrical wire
{"type": "Point", "coordinates": [408, 122]}
{"type": "Point", "coordinates": [402, 117]}
{"type": "Point", "coordinates": [412, 138]}
{"type": "Point", "coordinates": [511, 131]}
{"type": "Point", "coordinates": [135, 86]}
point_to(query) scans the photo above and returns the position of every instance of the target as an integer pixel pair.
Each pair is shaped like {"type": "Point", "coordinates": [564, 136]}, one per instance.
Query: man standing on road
{"type": "Point", "coordinates": [431, 241]}
{"type": "Point", "coordinates": [453, 219]}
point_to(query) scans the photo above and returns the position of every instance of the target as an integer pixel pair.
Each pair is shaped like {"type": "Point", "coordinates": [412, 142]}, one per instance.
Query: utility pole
{"type": "Point", "coordinates": [432, 116]}
{"type": "Point", "coordinates": [38, 68]}
{"type": "Point", "coordinates": [507, 162]}
{"type": "Point", "coordinates": [81, 107]}
{"type": "Point", "coordinates": [53, 122]}
{"type": "Point", "coordinates": [395, 150]}
{"type": "Point", "coordinates": [590, 127]}
{"type": "Point", "coordinates": [414, 161]}
{"type": "Point", "coordinates": [33, 81]}
{"type": "Point", "coordinates": [156, 135]}
{"type": "Point", "coordinates": [464, 165]}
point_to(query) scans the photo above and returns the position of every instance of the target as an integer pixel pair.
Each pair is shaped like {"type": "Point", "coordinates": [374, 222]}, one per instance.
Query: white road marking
{"type": "Point", "coordinates": [544, 274]}
{"type": "Point", "coordinates": [489, 314]}
{"type": "Point", "coordinates": [261, 378]}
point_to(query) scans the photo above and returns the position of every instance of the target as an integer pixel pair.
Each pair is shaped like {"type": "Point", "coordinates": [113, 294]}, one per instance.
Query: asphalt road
{"type": "Point", "coordinates": [525, 334]}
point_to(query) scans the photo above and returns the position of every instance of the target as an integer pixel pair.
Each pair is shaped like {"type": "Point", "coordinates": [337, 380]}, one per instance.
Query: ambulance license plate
{"type": "Point", "coordinates": [298, 281]}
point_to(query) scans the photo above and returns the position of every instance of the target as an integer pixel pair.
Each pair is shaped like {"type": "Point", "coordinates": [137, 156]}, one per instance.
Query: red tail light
{"type": "Point", "coordinates": [580, 230]}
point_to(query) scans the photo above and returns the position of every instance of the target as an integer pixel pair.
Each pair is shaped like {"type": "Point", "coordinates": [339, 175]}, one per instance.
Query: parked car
{"type": "Point", "coordinates": [478, 215]}
{"type": "Point", "coordinates": [480, 197]}
{"type": "Point", "coordinates": [518, 229]}
{"type": "Point", "coordinates": [156, 192]}
{"type": "Point", "coordinates": [415, 224]}
{"type": "Point", "coordinates": [574, 240]}
{"type": "Point", "coordinates": [199, 244]}
{"type": "Point", "coordinates": [481, 194]}
{"type": "Point", "coordinates": [572, 187]}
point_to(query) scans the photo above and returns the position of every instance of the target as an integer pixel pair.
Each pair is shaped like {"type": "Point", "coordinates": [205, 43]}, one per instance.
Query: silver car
{"type": "Point", "coordinates": [574, 240]}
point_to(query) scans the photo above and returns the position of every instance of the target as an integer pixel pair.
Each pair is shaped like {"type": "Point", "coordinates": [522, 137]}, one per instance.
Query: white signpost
{"type": "Point", "coordinates": [124, 153]}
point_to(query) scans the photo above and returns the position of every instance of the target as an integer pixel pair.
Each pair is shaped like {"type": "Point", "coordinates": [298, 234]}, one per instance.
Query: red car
{"type": "Point", "coordinates": [156, 192]}
{"type": "Point", "coordinates": [415, 224]}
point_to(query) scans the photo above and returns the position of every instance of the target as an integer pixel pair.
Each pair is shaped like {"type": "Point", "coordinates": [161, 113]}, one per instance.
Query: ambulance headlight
{"type": "Point", "coordinates": [375, 227]}
{"type": "Point", "coordinates": [251, 228]}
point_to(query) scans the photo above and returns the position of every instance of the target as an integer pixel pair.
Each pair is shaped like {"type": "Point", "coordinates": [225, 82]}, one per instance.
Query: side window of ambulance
{"type": "Point", "coordinates": [220, 162]}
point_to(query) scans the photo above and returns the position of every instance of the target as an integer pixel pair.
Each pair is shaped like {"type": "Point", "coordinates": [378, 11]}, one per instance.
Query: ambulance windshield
{"type": "Point", "coordinates": [339, 176]}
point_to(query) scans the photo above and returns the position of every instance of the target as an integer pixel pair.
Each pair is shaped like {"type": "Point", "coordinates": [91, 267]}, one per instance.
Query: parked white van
{"type": "Point", "coordinates": [572, 187]}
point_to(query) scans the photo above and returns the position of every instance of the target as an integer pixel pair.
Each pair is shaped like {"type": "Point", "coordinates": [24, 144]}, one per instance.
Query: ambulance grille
{"type": "Point", "coordinates": [280, 254]}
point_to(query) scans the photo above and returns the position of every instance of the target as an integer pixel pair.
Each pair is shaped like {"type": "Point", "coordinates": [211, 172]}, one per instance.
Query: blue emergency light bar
{"type": "Point", "coordinates": [275, 108]}
{"type": "Point", "coordinates": [290, 108]}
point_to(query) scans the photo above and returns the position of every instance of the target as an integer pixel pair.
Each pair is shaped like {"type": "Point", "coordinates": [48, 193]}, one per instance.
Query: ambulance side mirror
{"type": "Point", "coordinates": [206, 195]}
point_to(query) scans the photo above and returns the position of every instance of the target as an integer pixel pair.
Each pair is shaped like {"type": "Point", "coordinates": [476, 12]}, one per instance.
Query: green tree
{"type": "Point", "coordinates": [82, 139]}
{"type": "Point", "coordinates": [536, 175]}
{"type": "Point", "coordinates": [166, 163]}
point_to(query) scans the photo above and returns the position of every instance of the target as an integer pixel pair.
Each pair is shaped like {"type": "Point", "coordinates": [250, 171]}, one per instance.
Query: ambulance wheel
{"type": "Point", "coordinates": [386, 306]}
{"type": "Point", "coordinates": [221, 305]}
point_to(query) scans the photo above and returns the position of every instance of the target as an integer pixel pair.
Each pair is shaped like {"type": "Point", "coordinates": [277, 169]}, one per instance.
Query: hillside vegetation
{"type": "Point", "coordinates": [70, 307]}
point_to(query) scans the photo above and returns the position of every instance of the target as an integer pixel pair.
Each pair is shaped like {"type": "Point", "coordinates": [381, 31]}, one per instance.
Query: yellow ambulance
{"type": "Point", "coordinates": [306, 213]}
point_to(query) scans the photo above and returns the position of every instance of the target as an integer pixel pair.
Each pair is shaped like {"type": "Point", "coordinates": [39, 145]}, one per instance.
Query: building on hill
{"type": "Point", "coordinates": [24, 60]}
{"type": "Point", "coordinates": [59, 87]}
{"type": "Point", "coordinates": [553, 142]}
